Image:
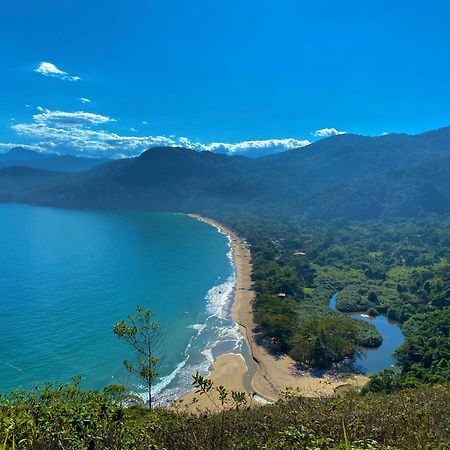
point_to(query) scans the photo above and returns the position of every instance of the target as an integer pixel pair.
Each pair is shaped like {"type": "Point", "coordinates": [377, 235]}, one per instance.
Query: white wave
{"type": "Point", "coordinates": [219, 298]}
{"type": "Point", "coordinates": [231, 332]}
{"type": "Point", "coordinates": [198, 327]}
{"type": "Point", "coordinates": [207, 353]}
{"type": "Point", "coordinates": [165, 381]}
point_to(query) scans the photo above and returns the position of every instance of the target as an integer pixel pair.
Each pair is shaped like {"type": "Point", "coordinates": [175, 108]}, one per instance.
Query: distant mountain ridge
{"type": "Point", "coordinates": [19, 156]}
{"type": "Point", "coordinates": [23, 154]}
{"type": "Point", "coordinates": [342, 176]}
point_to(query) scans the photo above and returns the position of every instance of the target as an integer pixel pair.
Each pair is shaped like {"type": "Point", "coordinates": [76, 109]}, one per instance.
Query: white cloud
{"type": "Point", "coordinates": [258, 146]}
{"type": "Point", "coordinates": [50, 70]}
{"type": "Point", "coordinates": [85, 140]}
{"type": "Point", "coordinates": [85, 100]}
{"type": "Point", "coordinates": [144, 122]}
{"type": "Point", "coordinates": [77, 132]}
{"type": "Point", "coordinates": [326, 132]}
{"type": "Point", "coordinates": [69, 119]}
{"type": "Point", "coordinates": [133, 130]}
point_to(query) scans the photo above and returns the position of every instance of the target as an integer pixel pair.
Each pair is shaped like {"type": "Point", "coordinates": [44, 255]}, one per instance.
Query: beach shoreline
{"type": "Point", "coordinates": [272, 375]}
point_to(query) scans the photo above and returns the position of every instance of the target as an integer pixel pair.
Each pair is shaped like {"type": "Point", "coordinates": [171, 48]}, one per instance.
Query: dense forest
{"type": "Point", "coordinates": [399, 269]}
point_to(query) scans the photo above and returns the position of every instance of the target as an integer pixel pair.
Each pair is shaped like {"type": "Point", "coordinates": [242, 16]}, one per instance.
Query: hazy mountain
{"type": "Point", "coordinates": [20, 156]}
{"type": "Point", "coordinates": [23, 154]}
{"type": "Point", "coordinates": [346, 175]}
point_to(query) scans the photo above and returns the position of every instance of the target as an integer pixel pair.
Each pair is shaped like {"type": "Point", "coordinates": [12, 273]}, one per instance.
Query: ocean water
{"type": "Point", "coordinates": [67, 276]}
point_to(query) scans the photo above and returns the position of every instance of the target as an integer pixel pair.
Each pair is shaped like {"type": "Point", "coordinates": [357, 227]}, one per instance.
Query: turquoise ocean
{"type": "Point", "coordinates": [67, 276]}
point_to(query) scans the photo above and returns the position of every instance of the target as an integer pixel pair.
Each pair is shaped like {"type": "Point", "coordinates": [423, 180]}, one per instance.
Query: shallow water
{"type": "Point", "coordinates": [67, 276]}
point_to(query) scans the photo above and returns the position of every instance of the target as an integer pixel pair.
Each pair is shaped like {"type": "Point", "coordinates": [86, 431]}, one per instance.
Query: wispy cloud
{"type": "Point", "coordinates": [326, 132]}
{"type": "Point", "coordinates": [85, 100]}
{"type": "Point", "coordinates": [4, 147]}
{"type": "Point", "coordinates": [78, 132]}
{"type": "Point", "coordinates": [50, 70]}
{"type": "Point", "coordinates": [69, 119]}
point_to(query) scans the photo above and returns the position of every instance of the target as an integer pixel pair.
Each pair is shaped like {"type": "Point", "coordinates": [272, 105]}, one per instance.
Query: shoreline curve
{"type": "Point", "coordinates": [273, 375]}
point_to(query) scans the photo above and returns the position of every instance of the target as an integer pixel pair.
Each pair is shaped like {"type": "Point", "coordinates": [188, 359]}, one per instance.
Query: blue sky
{"type": "Point", "coordinates": [226, 72]}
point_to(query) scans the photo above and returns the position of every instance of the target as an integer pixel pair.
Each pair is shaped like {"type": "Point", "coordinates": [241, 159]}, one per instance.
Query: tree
{"type": "Point", "coordinates": [323, 340]}
{"type": "Point", "coordinates": [144, 336]}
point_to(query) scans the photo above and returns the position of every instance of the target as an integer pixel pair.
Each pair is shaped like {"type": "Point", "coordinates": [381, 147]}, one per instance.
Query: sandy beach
{"type": "Point", "coordinates": [228, 370]}
{"type": "Point", "coordinates": [273, 375]}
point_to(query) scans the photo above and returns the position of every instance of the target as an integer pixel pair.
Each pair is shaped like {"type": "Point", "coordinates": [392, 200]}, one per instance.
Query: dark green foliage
{"type": "Point", "coordinates": [425, 354]}
{"type": "Point", "coordinates": [301, 323]}
{"type": "Point", "coordinates": [323, 341]}
{"type": "Point", "coordinates": [62, 417]}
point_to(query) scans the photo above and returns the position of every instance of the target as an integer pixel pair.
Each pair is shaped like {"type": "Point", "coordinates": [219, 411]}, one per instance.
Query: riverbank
{"type": "Point", "coordinates": [273, 374]}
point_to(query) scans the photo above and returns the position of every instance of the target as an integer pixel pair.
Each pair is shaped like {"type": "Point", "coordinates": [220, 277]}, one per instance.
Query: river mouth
{"type": "Point", "coordinates": [373, 360]}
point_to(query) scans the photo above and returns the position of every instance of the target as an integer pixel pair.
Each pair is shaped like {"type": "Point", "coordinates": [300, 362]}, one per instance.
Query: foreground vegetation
{"type": "Point", "coordinates": [68, 418]}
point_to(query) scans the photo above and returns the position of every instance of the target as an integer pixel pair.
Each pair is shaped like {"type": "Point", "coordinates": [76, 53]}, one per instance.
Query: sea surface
{"type": "Point", "coordinates": [67, 276]}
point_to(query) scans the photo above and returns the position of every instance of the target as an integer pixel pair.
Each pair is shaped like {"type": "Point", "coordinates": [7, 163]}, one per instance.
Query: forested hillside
{"type": "Point", "coordinates": [342, 176]}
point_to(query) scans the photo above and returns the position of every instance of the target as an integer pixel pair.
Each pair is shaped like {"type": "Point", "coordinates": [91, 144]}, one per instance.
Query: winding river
{"type": "Point", "coordinates": [373, 360]}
